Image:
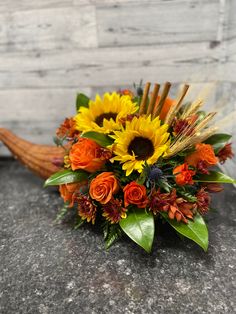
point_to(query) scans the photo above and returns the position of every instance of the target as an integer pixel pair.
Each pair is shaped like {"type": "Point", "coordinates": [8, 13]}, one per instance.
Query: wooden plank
{"type": "Point", "coordinates": [24, 5]}
{"type": "Point", "coordinates": [48, 29]}
{"type": "Point", "coordinates": [231, 21]}
{"type": "Point", "coordinates": [38, 105]}
{"type": "Point", "coordinates": [35, 114]}
{"type": "Point", "coordinates": [104, 66]}
{"type": "Point", "coordinates": [157, 22]}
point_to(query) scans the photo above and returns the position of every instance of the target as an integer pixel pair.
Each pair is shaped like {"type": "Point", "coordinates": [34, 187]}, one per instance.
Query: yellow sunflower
{"type": "Point", "coordinates": [105, 115]}
{"type": "Point", "coordinates": [141, 141]}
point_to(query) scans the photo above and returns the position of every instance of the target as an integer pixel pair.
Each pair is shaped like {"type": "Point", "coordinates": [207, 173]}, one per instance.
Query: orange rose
{"type": "Point", "coordinates": [183, 175]}
{"type": "Point", "coordinates": [135, 193]}
{"type": "Point", "coordinates": [204, 152]}
{"type": "Point", "coordinates": [68, 190]}
{"type": "Point", "coordinates": [103, 187]}
{"type": "Point", "coordinates": [85, 154]}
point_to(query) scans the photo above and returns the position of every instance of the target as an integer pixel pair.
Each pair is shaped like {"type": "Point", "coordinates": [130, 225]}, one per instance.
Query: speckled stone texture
{"type": "Point", "coordinates": [48, 268]}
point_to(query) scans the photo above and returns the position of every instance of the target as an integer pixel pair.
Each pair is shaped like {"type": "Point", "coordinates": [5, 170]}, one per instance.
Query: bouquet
{"type": "Point", "coordinates": [135, 157]}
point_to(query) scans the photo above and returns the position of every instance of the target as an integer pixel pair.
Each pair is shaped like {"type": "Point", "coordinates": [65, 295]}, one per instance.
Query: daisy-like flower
{"type": "Point", "coordinates": [105, 115]}
{"type": "Point", "coordinates": [140, 141]}
{"type": "Point", "coordinates": [114, 211]}
{"type": "Point", "coordinates": [86, 209]}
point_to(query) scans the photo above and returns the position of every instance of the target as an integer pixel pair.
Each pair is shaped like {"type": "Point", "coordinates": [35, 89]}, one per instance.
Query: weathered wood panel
{"type": "Point", "coordinates": [49, 49]}
{"type": "Point", "coordinates": [48, 29]}
{"type": "Point", "coordinates": [35, 114]}
{"type": "Point", "coordinates": [157, 22]}
{"type": "Point", "coordinates": [22, 5]}
{"type": "Point", "coordinates": [102, 66]}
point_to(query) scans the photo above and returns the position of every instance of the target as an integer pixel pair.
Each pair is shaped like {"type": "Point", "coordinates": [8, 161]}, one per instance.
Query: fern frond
{"type": "Point", "coordinates": [114, 234]}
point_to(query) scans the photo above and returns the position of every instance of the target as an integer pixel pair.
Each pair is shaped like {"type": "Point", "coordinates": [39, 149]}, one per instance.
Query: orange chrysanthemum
{"type": "Point", "coordinates": [67, 128]}
{"type": "Point", "coordinates": [204, 152]}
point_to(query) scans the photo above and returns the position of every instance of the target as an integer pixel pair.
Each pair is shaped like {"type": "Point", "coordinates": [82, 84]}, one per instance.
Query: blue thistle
{"type": "Point", "coordinates": [155, 174]}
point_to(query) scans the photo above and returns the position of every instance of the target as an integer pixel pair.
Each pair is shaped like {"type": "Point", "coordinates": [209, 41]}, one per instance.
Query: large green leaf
{"type": "Point", "coordinates": [81, 101]}
{"type": "Point", "coordinates": [195, 230]}
{"type": "Point", "coordinates": [139, 226]}
{"type": "Point", "coordinates": [218, 141]}
{"type": "Point", "coordinates": [215, 176]}
{"type": "Point", "coordinates": [100, 138]}
{"type": "Point", "coordinates": [66, 176]}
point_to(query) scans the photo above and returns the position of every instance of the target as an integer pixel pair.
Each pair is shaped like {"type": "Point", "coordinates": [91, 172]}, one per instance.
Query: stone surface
{"type": "Point", "coordinates": [48, 268]}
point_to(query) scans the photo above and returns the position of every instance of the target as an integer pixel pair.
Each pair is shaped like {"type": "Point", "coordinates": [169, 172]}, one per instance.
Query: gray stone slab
{"type": "Point", "coordinates": [46, 268]}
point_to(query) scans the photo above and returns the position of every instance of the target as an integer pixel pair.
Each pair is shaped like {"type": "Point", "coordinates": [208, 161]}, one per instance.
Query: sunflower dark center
{"type": "Point", "coordinates": [108, 116]}
{"type": "Point", "coordinates": [142, 148]}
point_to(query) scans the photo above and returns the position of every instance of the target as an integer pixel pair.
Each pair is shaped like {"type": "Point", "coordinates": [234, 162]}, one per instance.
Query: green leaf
{"type": "Point", "coordinates": [59, 140]}
{"type": "Point", "coordinates": [81, 101]}
{"type": "Point", "coordinates": [187, 196]}
{"type": "Point", "coordinates": [218, 141]}
{"type": "Point", "coordinates": [215, 176]}
{"type": "Point", "coordinates": [114, 233]}
{"type": "Point", "coordinates": [62, 212]}
{"type": "Point", "coordinates": [139, 226]}
{"type": "Point", "coordinates": [100, 138]}
{"type": "Point", "coordinates": [105, 229]}
{"type": "Point", "coordinates": [79, 223]}
{"type": "Point", "coordinates": [66, 176]}
{"type": "Point", "coordinates": [195, 230]}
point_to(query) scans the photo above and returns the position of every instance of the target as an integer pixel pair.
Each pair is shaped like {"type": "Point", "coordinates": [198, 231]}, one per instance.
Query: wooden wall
{"type": "Point", "coordinates": [50, 49]}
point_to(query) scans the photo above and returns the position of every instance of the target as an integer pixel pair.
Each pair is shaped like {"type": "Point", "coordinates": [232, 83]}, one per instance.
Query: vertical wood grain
{"type": "Point", "coordinates": [50, 49]}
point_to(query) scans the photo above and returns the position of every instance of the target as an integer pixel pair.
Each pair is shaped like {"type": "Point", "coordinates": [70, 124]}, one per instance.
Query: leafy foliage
{"type": "Point", "coordinates": [62, 212]}
{"type": "Point", "coordinates": [101, 139]}
{"type": "Point", "coordinates": [139, 226]}
{"type": "Point", "coordinates": [112, 233]}
{"type": "Point", "coordinates": [81, 101]}
{"type": "Point", "coordinates": [218, 141]}
{"type": "Point", "coordinates": [79, 223]}
{"type": "Point", "coordinates": [187, 195]}
{"type": "Point", "coordinates": [215, 176]}
{"type": "Point", "coordinates": [59, 141]}
{"type": "Point", "coordinates": [195, 230]}
{"type": "Point", "coordinates": [66, 176]}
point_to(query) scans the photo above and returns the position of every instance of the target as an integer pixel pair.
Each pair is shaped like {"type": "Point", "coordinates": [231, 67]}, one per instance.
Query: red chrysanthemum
{"type": "Point", "coordinates": [113, 211]}
{"type": "Point", "coordinates": [184, 126]}
{"type": "Point", "coordinates": [202, 167]}
{"type": "Point", "coordinates": [86, 209]}
{"type": "Point", "coordinates": [203, 201]}
{"type": "Point", "coordinates": [225, 153]}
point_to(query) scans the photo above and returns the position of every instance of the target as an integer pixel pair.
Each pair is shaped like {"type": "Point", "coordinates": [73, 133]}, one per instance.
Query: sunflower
{"type": "Point", "coordinates": [140, 141]}
{"type": "Point", "coordinates": [105, 115]}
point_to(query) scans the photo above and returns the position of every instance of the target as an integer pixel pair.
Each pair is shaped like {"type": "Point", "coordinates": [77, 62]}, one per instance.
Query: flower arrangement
{"type": "Point", "coordinates": [132, 158]}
